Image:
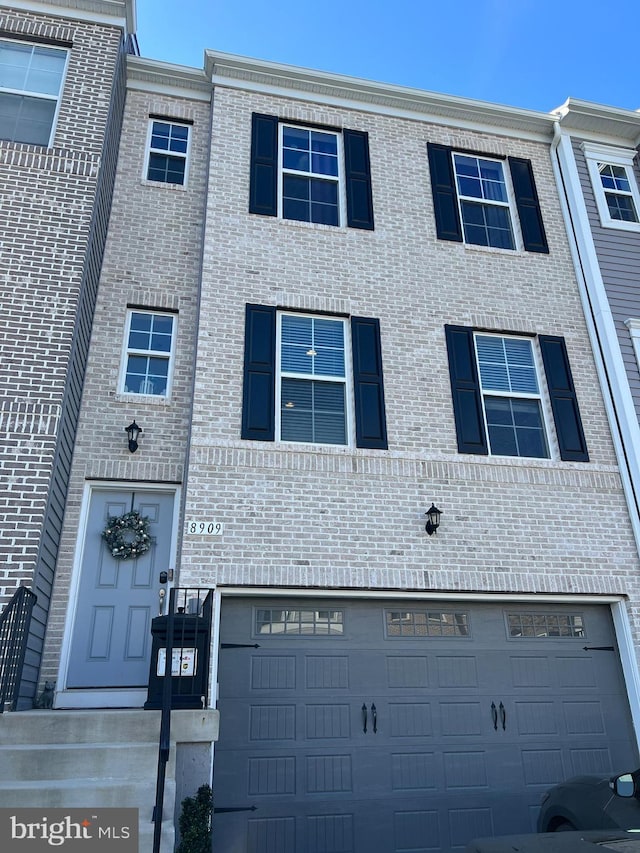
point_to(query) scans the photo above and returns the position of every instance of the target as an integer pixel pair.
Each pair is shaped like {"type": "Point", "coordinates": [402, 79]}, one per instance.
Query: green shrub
{"type": "Point", "coordinates": [195, 822]}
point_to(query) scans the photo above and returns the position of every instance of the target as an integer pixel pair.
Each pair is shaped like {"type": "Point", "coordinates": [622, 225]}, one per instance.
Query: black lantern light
{"type": "Point", "coordinates": [133, 431]}
{"type": "Point", "coordinates": [433, 519]}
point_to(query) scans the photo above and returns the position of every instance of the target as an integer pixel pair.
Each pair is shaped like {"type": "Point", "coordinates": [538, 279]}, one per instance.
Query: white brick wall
{"type": "Point", "coordinates": [299, 516]}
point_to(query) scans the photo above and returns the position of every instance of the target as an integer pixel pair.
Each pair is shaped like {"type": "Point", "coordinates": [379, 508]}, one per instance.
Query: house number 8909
{"type": "Point", "coordinates": [205, 528]}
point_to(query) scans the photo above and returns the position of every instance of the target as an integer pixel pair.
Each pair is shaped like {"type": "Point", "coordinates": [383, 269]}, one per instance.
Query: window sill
{"type": "Point", "coordinates": [164, 184]}
{"type": "Point", "coordinates": [494, 250]}
{"type": "Point", "coordinates": [143, 399]}
{"type": "Point", "coordinates": [309, 226]}
{"type": "Point", "coordinates": [620, 225]}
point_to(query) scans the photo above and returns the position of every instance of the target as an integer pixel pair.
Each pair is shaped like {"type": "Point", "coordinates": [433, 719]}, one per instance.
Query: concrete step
{"type": "Point", "coordinates": [65, 761]}
{"type": "Point", "coordinates": [87, 791]}
{"type": "Point", "coordinates": [105, 726]}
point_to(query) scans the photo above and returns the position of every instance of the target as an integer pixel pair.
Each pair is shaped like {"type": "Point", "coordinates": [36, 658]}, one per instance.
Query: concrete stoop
{"type": "Point", "coordinates": [100, 758]}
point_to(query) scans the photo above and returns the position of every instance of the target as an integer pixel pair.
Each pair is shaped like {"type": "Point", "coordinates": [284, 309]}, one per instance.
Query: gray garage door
{"type": "Point", "coordinates": [386, 727]}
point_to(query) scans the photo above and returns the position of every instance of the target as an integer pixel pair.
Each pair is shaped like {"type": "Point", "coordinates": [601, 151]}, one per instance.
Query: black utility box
{"type": "Point", "coordinates": [190, 669]}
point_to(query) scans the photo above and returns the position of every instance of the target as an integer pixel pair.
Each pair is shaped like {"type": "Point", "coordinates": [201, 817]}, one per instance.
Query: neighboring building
{"type": "Point", "coordinates": [330, 304]}
{"type": "Point", "coordinates": [596, 155]}
{"type": "Point", "coordinates": [61, 101]}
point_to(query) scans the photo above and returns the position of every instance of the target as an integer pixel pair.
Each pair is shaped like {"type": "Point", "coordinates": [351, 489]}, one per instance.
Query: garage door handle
{"type": "Point", "coordinates": [364, 718]}
{"type": "Point", "coordinates": [503, 717]}
{"type": "Point", "coordinates": [494, 715]}
{"type": "Point", "coordinates": [374, 714]}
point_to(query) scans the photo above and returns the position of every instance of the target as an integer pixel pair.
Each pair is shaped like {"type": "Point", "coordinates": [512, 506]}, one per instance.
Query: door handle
{"type": "Point", "coordinates": [162, 595]}
{"type": "Point", "coordinates": [364, 718]}
{"type": "Point", "coordinates": [374, 715]}
{"type": "Point", "coordinates": [503, 717]}
{"type": "Point", "coordinates": [494, 715]}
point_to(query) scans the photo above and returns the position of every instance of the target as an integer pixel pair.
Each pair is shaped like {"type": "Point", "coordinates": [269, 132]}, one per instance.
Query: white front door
{"type": "Point", "coordinates": [117, 598]}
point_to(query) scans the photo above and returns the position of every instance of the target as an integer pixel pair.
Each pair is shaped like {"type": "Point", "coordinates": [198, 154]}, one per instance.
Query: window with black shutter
{"type": "Point", "coordinates": [496, 387]}
{"type": "Point", "coordinates": [310, 174]}
{"type": "Point", "coordinates": [476, 200]}
{"type": "Point", "coordinates": [313, 379]}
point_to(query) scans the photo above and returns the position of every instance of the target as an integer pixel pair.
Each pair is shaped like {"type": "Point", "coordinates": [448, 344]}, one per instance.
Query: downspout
{"type": "Point", "coordinates": [612, 375]}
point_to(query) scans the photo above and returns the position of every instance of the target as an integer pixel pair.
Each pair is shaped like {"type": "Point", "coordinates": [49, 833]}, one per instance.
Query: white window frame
{"type": "Point", "coordinates": [347, 380]}
{"type": "Point", "coordinates": [540, 396]}
{"type": "Point", "coordinates": [29, 93]}
{"type": "Point", "coordinates": [339, 179]}
{"type": "Point", "coordinates": [608, 155]}
{"type": "Point", "coordinates": [179, 155]}
{"type": "Point", "coordinates": [509, 204]}
{"type": "Point", "coordinates": [127, 350]}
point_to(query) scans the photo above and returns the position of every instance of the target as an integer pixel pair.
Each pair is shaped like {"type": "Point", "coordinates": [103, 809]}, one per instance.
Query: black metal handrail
{"type": "Point", "coordinates": [188, 631]}
{"type": "Point", "coordinates": [14, 634]}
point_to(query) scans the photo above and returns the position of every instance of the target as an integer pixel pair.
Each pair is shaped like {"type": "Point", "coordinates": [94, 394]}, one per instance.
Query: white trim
{"type": "Point", "coordinates": [509, 204]}
{"type": "Point", "coordinates": [338, 179]}
{"type": "Point", "coordinates": [417, 594]}
{"type": "Point", "coordinates": [126, 350]}
{"type": "Point", "coordinates": [634, 330]}
{"type": "Point", "coordinates": [628, 660]}
{"type": "Point", "coordinates": [542, 398]}
{"type": "Point", "coordinates": [41, 96]}
{"type": "Point", "coordinates": [178, 155]}
{"type": "Point", "coordinates": [100, 698]}
{"type": "Point", "coordinates": [346, 381]}
{"type": "Point", "coordinates": [597, 155]}
{"type": "Point", "coordinates": [121, 697]}
{"type": "Point", "coordinates": [306, 84]}
{"type": "Point", "coordinates": [96, 11]}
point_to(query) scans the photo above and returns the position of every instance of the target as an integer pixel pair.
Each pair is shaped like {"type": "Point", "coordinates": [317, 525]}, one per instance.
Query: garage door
{"type": "Point", "coordinates": [386, 727]}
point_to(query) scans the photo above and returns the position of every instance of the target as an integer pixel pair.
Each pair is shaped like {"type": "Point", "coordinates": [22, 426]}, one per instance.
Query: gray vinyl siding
{"type": "Point", "coordinates": [54, 514]}
{"type": "Point", "coordinates": [619, 259]}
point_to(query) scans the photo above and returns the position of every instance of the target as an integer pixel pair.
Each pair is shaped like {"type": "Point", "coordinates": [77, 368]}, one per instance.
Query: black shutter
{"type": "Point", "coordinates": [371, 424]}
{"type": "Point", "coordinates": [564, 404]}
{"type": "Point", "coordinates": [258, 401]}
{"type": "Point", "coordinates": [358, 180]}
{"type": "Point", "coordinates": [524, 186]}
{"type": "Point", "coordinates": [445, 199]}
{"type": "Point", "coordinates": [465, 391]}
{"type": "Point", "coordinates": [263, 191]}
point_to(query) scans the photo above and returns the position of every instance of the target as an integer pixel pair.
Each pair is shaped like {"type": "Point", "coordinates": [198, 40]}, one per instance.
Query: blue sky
{"type": "Point", "coordinates": [525, 53]}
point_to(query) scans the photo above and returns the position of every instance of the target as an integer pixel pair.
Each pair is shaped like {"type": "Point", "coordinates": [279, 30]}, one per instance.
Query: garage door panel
{"type": "Point", "coordinates": [470, 716]}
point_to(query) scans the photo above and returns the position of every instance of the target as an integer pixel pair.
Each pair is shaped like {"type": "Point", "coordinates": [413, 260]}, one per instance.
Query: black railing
{"type": "Point", "coordinates": [14, 634]}
{"type": "Point", "coordinates": [179, 676]}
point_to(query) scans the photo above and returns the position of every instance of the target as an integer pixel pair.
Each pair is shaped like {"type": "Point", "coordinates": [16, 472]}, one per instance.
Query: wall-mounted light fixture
{"type": "Point", "coordinates": [133, 431]}
{"type": "Point", "coordinates": [433, 519]}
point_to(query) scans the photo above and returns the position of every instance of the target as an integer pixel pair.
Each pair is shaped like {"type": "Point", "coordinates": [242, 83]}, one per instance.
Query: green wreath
{"type": "Point", "coordinates": [127, 535]}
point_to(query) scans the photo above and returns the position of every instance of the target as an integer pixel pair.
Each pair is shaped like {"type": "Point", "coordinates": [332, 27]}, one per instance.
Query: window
{"type": "Point", "coordinates": [511, 396]}
{"type": "Point", "coordinates": [426, 623]}
{"type": "Point", "coordinates": [544, 625]}
{"type": "Point", "coordinates": [615, 186]}
{"type": "Point", "coordinates": [310, 185]}
{"type": "Point", "coordinates": [476, 198]}
{"type": "Point", "coordinates": [310, 174]}
{"type": "Point", "coordinates": [302, 622]}
{"type": "Point", "coordinates": [168, 150]}
{"type": "Point", "coordinates": [483, 201]}
{"type": "Point", "coordinates": [312, 384]}
{"type": "Point", "coordinates": [303, 382]}
{"type": "Point", "coordinates": [148, 355]}
{"type": "Point", "coordinates": [496, 393]}
{"type": "Point", "coordinates": [30, 85]}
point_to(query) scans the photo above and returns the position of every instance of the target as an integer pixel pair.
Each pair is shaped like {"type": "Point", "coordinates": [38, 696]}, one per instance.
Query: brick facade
{"type": "Point", "coordinates": [54, 202]}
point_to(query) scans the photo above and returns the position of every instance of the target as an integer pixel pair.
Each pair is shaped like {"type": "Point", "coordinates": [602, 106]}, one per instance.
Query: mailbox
{"type": "Point", "coordinates": [189, 664]}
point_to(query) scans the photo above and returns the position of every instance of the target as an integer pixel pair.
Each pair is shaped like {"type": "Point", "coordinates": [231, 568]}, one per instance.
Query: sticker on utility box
{"type": "Point", "coordinates": [183, 661]}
